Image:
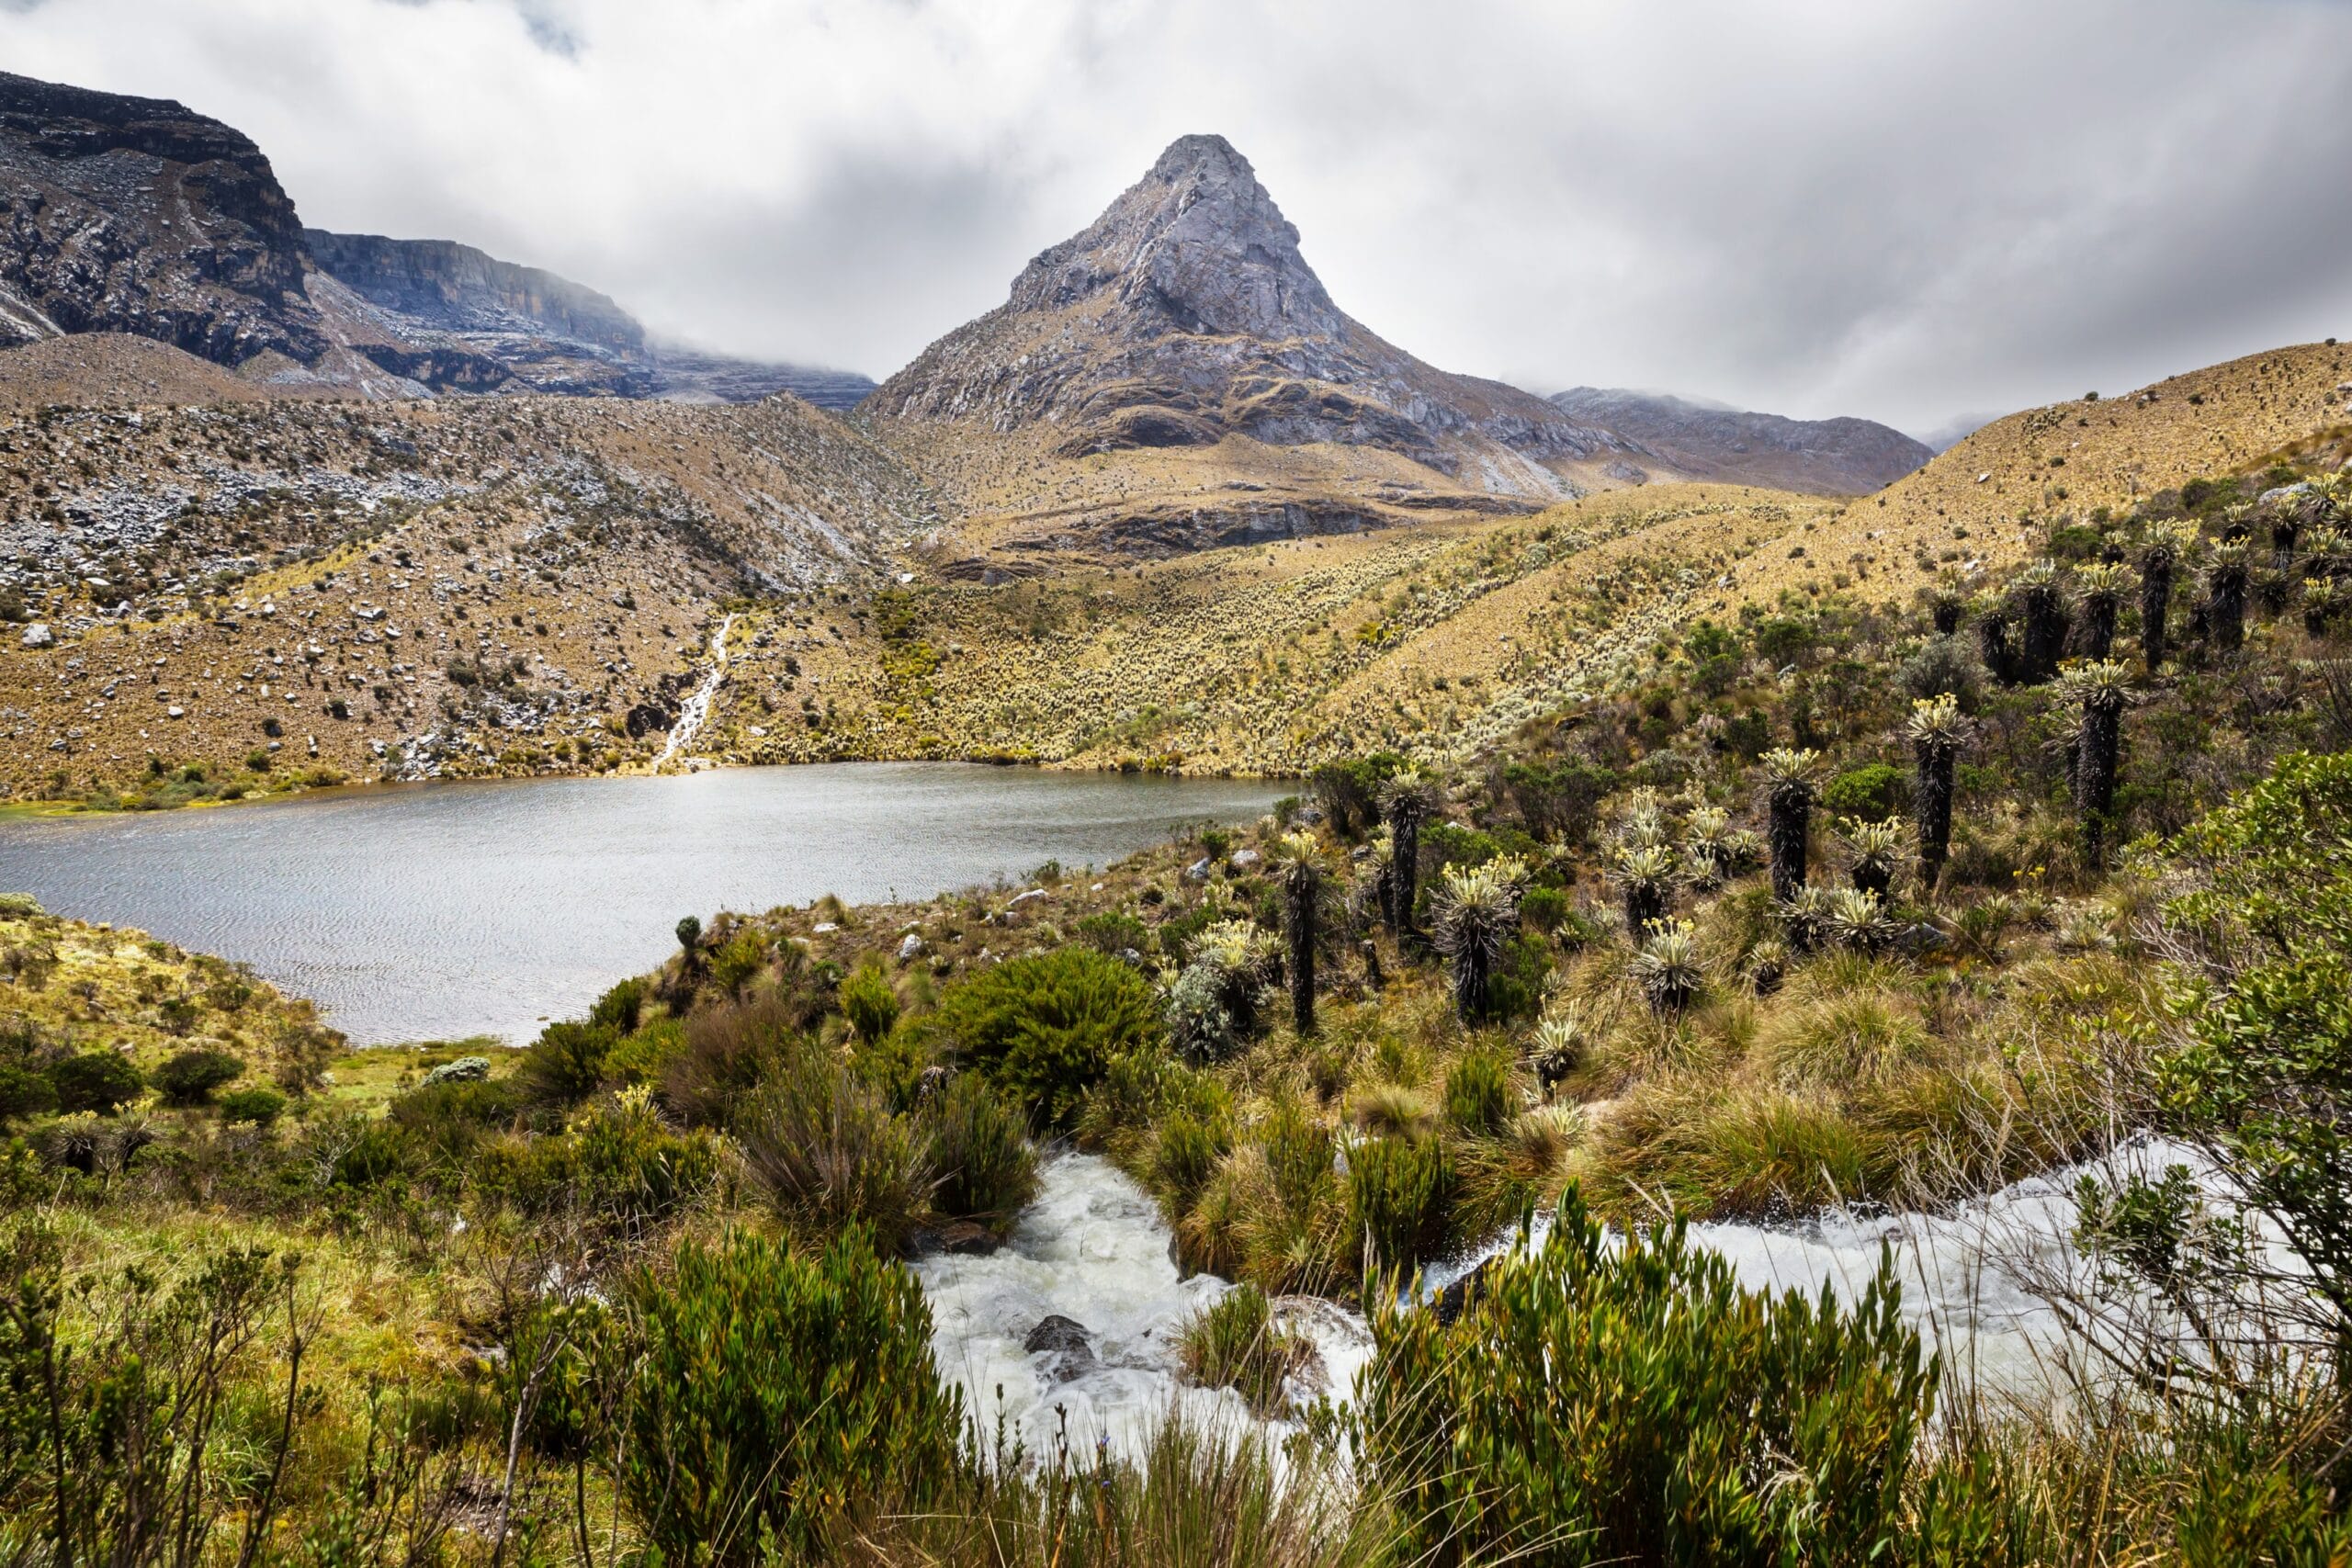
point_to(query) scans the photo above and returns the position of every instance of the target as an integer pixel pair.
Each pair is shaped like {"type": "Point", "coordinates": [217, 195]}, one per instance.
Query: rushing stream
{"type": "Point", "coordinates": [1092, 1249]}
{"type": "Point", "coordinates": [697, 707]}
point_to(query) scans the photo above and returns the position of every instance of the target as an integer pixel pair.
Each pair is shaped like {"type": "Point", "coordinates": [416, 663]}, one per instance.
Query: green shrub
{"type": "Point", "coordinates": [1399, 1191]}
{"type": "Point", "coordinates": [2261, 1078]}
{"type": "Point", "coordinates": [617, 1169]}
{"type": "Point", "coordinates": [1114, 932]}
{"type": "Point", "coordinates": [1515, 990]}
{"type": "Point", "coordinates": [737, 960]}
{"type": "Point", "coordinates": [619, 1008]}
{"type": "Point", "coordinates": [566, 1064]}
{"type": "Point", "coordinates": [1045, 1027]}
{"type": "Point", "coordinates": [24, 1093]}
{"type": "Point", "coordinates": [1872, 791]}
{"type": "Point", "coordinates": [828, 1154]}
{"type": "Point", "coordinates": [103, 1081]}
{"type": "Point", "coordinates": [1545, 909]}
{"type": "Point", "coordinates": [987, 1169]}
{"type": "Point", "coordinates": [780, 1401]}
{"type": "Point", "coordinates": [448, 1120]}
{"type": "Point", "coordinates": [868, 1003]}
{"type": "Point", "coordinates": [190, 1076]}
{"type": "Point", "coordinates": [1478, 1096]}
{"type": "Point", "coordinates": [259, 1105]}
{"type": "Point", "coordinates": [1625, 1400]}
{"type": "Point", "coordinates": [1233, 1343]}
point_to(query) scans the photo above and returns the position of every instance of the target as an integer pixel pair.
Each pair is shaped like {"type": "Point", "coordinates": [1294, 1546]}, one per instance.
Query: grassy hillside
{"type": "Point", "coordinates": [556, 567]}
{"type": "Point", "coordinates": [1434, 639]}
{"type": "Point", "coordinates": [2115, 450]}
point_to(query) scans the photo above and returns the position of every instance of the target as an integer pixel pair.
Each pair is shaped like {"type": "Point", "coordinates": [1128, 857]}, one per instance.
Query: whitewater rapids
{"type": "Point", "coordinates": [1093, 1248]}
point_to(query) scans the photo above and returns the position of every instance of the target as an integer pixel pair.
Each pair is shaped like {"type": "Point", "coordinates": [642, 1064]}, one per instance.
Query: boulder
{"type": "Point", "coordinates": [1065, 1341]}
{"type": "Point", "coordinates": [38, 635]}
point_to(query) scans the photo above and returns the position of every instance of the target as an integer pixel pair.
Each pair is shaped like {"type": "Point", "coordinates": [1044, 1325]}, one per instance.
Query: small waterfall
{"type": "Point", "coordinates": [697, 707]}
{"type": "Point", "coordinates": [1092, 1249]}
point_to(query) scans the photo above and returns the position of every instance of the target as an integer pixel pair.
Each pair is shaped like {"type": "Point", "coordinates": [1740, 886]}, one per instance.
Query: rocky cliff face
{"type": "Point", "coordinates": [137, 215]}
{"type": "Point", "coordinates": [1186, 313]}
{"type": "Point", "coordinates": [459, 289]}
{"type": "Point", "coordinates": [1826, 457]}
{"type": "Point", "coordinates": [140, 216]}
{"type": "Point", "coordinates": [548, 332]}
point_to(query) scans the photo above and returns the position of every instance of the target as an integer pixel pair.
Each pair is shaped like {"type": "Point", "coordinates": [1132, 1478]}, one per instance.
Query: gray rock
{"type": "Point", "coordinates": [1243, 860]}
{"type": "Point", "coordinates": [1198, 871]}
{"type": "Point", "coordinates": [909, 947]}
{"type": "Point", "coordinates": [1065, 1341]}
{"type": "Point", "coordinates": [465, 1070]}
{"type": "Point", "coordinates": [38, 635]}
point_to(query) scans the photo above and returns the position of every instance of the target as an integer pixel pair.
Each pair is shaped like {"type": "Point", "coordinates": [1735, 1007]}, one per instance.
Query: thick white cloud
{"type": "Point", "coordinates": [1904, 210]}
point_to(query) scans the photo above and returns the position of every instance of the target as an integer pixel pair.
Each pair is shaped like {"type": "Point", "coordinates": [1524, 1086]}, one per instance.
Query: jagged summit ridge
{"type": "Point", "coordinates": [1197, 240]}
{"type": "Point", "coordinates": [1186, 313]}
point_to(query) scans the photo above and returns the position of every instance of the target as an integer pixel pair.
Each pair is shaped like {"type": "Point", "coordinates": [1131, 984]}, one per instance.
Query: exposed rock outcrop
{"type": "Point", "coordinates": [546, 332]}
{"type": "Point", "coordinates": [137, 215]}
{"type": "Point", "coordinates": [1186, 313]}
{"type": "Point", "coordinates": [459, 289]}
{"type": "Point", "coordinates": [140, 216]}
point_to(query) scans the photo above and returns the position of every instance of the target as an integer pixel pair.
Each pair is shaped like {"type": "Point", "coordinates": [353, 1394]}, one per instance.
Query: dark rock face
{"type": "Point", "coordinates": [459, 289]}
{"type": "Point", "coordinates": [1065, 1341]}
{"type": "Point", "coordinates": [1827, 457]}
{"type": "Point", "coordinates": [544, 331]}
{"type": "Point", "coordinates": [137, 215]}
{"type": "Point", "coordinates": [1186, 313]}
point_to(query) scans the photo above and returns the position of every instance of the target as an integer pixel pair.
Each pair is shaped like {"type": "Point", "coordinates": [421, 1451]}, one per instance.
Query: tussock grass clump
{"type": "Point", "coordinates": [1843, 1042]}
{"type": "Point", "coordinates": [1400, 1197]}
{"type": "Point", "coordinates": [1233, 1343]}
{"type": "Point", "coordinates": [1478, 1094]}
{"type": "Point", "coordinates": [987, 1168]}
{"type": "Point", "coordinates": [1392, 1110]}
{"type": "Point", "coordinates": [827, 1154]}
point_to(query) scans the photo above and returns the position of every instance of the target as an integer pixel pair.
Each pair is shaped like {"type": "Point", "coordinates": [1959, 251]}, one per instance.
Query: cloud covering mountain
{"type": "Point", "coordinates": [1903, 212]}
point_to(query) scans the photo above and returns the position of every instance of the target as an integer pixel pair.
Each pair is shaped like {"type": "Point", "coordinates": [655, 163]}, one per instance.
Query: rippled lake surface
{"type": "Point", "coordinates": [436, 911]}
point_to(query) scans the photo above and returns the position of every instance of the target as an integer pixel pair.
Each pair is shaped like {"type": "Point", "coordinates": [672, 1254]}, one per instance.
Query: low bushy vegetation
{"type": "Point", "coordinates": [1845, 903]}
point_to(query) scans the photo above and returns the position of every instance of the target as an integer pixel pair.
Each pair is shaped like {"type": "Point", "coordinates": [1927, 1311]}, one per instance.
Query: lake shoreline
{"type": "Point", "coordinates": [445, 909]}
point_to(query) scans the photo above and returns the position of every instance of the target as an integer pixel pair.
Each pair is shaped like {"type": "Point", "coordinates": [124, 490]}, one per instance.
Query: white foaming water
{"type": "Point", "coordinates": [697, 707]}
{"type": "Point", "coordinates": [1092, 1248]}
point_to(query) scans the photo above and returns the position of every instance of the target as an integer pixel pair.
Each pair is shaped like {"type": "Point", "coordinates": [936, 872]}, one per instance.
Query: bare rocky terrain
{"type": "Point", "coordinates": [409, 590]}
{"type": "Point", "coordinates": [550, 334]}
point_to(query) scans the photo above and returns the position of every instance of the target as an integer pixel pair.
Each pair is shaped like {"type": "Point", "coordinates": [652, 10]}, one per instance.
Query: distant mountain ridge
{"type": "Point", "coordinates": [552, 334]}
{"type": "Point", "coordinates": [121, 214]}
{"type": "Point", "coordinates": [1823, 456]}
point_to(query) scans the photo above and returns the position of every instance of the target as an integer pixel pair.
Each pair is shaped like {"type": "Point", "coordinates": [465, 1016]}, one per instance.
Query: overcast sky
{"type": "Point", "coordinates": [1910, 210]}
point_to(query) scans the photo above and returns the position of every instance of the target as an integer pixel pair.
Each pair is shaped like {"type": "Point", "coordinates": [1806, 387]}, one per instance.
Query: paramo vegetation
{"type": "Point", "coordinates": [1840, 903]}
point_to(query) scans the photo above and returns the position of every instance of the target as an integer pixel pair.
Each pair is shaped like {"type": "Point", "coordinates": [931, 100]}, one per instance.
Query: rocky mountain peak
{"type": "Point", "coordinates": [1197, 245]}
